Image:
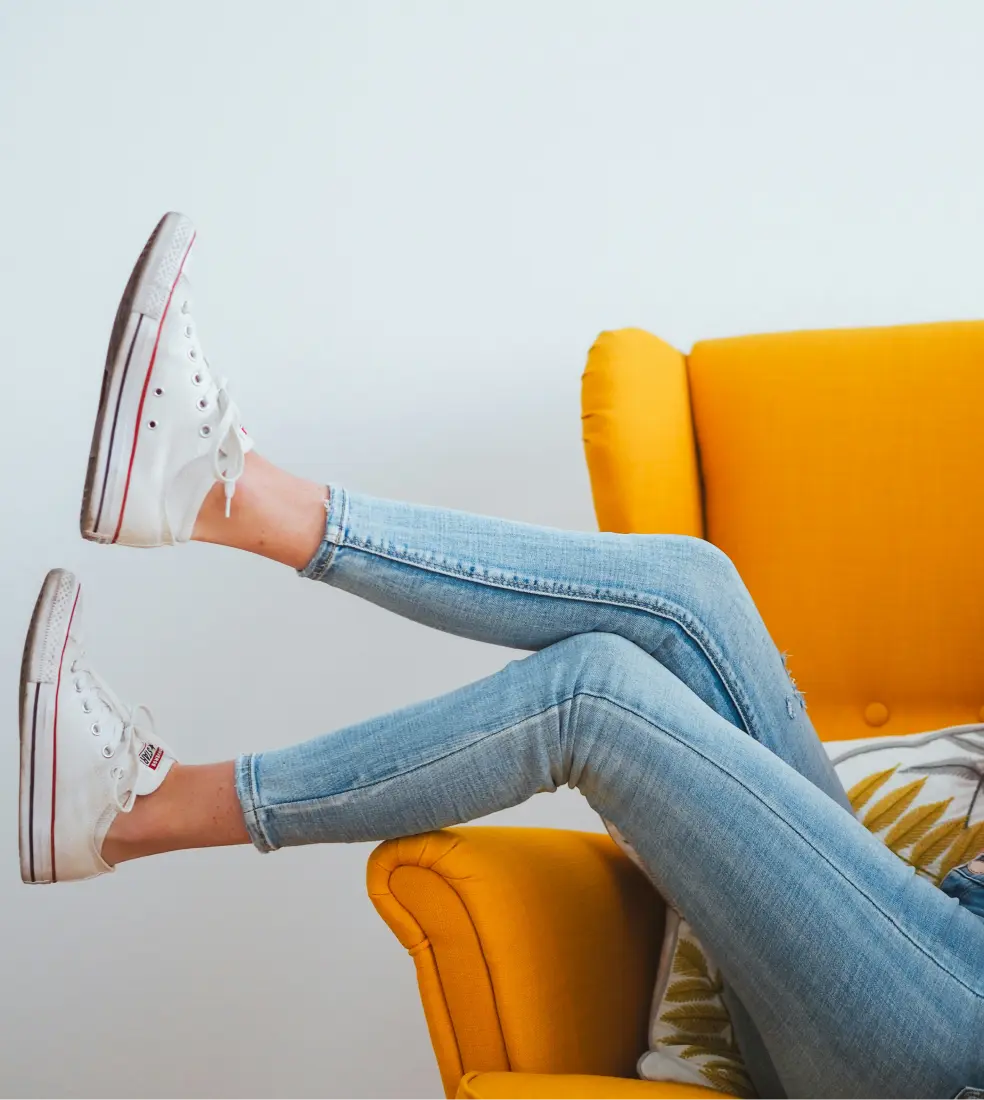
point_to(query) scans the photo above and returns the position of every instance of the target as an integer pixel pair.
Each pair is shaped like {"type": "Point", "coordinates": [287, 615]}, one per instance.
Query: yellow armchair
{"type": "Point", "coordinates": [840, 471]}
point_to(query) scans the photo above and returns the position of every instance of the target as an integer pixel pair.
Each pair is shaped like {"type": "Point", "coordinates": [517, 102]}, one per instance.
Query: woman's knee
{"type": "Point", "coordinates": [597, 662]}
{"type": "Point", "coordinates": [709, 588]}
{"type": "Point", "coordinates": [611, 684]}
{"type": "Point", "coordinates": [709, 565]}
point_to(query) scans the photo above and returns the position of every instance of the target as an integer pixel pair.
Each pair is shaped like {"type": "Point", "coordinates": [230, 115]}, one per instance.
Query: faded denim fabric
{"type": "Point", "coordinates": [966, 884]}
{"type": "Point", "coordinates": [655, 689]}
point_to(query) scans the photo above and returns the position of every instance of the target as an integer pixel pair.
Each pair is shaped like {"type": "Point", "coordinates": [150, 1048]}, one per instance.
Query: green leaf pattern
{"type": "Point", "coordinates": [701, 1027]}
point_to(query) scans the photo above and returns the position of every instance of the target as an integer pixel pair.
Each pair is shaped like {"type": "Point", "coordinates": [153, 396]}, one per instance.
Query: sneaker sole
{"type": "Point", "coordinates": [126, 378]}
{"type": "Point", "coordinates": [40, 678]}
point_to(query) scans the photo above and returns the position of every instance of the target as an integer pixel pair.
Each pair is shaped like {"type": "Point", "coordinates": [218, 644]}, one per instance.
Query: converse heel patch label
{"type": "Point", "coordinates": [151, 756]}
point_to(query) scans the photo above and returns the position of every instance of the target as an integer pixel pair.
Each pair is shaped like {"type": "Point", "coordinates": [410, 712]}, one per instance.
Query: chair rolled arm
{"type": "Point", "coordinates": [535, 949]}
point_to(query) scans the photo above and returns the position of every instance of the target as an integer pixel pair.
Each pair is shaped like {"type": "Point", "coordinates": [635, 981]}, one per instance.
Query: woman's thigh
{"type": "Point", "coordinates": [862, 978]}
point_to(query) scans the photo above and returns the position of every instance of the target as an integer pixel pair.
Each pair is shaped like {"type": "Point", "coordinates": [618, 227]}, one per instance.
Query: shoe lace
{"type": "Point", "coordinates": [228, 452]}
{"type": "Point", "coordinates": [125, 777]}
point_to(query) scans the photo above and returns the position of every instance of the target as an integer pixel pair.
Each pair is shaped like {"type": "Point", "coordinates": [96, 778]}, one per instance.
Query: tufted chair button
{"type": "Point", "coordinates": [876, 714]}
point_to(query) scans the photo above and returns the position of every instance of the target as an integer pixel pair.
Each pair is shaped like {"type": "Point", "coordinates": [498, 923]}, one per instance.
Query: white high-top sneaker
{"type": "Point", "coordinates": [166, 429]}
{"type": "Point", "coordinates": [85, 756]}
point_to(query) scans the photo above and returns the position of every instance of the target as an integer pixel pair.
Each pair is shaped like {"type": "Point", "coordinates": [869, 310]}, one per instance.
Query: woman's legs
{"type": "Point", "coordinates": [863, 978]}
{"type": "Point", "coordinates": [678, 598]}
{"type": "Point", "coordinates": [690, 799]}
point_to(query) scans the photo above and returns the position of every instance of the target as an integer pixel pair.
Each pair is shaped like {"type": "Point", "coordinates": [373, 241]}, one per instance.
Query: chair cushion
{"type": "Point", "coordinates": [564, 1085]}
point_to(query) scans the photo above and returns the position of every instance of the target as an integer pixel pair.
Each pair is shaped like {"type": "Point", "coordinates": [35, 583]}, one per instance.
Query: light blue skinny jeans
{"type": "Point", "coordinates": [656, 690]}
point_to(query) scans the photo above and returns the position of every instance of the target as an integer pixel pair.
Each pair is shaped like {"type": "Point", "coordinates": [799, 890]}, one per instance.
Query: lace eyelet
{"type": "Point", "coordinates": [152, 424]}
{"type": "Point", "coordinates": [197, 379]}
{"type": "Point", "coordinates": [78, 686]}
{"type": "Point", "coordinates": [159, 392]}
{"type": "Point", "coordinates": [204, 431]}
{"type": "Point", "coordinates": [188, 331]}
{"type": "Point", "coordinates": [108, 751]}
{"type": "Point", "coordinates": [86, 706]}
{"type": "Point", "coordinates": [193, 355]}
{"type": "Point", "coordinates": [95, 729]}
{"type": "Point", "coordinates": [74, 666]}
{"type": "Point", "coordinates": [203, 403]}
{"type": "Point", "coordinates": [185, 307]}
{"type": "Point", "coordinates": [117, 773]}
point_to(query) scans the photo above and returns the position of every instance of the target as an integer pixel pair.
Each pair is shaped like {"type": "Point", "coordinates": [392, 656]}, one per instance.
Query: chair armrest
{"type": "Point", "coordinates": [535, 949]}
{"type": "Point", "coordinates": [639, 436]}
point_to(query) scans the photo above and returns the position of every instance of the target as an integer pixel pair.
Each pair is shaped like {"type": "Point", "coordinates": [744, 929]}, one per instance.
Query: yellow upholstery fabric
{"type": "Point", "coordinates": [517, 1086]}
{"type": "Point", "coordinates": [842, 474]}
{"type": "Point", "coordinates": [841, 471]}
{"type": "Point", "coordinates": [638, 435]}
{"type": "Point", "coordinates": [536, 949]}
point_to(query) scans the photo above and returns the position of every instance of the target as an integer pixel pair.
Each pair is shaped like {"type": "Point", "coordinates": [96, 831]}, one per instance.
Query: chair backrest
{"type": "Point", "coordinates": [843, 473]}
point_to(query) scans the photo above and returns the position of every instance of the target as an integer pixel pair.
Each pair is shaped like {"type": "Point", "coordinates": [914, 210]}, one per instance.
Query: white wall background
{"type": "Point", "coordinates": [414, 218]}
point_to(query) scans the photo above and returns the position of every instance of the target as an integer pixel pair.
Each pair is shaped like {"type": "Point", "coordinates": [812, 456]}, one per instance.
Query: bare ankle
{"type": "Point", "coordinates": [195, 807]}
{"type": "Point", "coordinates": [274, 514]}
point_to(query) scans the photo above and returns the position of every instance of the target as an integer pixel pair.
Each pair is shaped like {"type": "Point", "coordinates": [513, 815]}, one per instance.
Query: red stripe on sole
{"type": "Point", "coordinates": [143, 393]}
{"type": "Point", "coordinates": [54, 739]}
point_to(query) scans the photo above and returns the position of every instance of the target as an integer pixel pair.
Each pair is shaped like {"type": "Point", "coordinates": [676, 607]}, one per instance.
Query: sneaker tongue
{"type": "Point", "coordinates": [153, 763]}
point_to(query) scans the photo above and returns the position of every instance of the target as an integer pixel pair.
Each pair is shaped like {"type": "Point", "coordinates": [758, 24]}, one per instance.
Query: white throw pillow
{"type": "Point", "coordinates": [921, 793]}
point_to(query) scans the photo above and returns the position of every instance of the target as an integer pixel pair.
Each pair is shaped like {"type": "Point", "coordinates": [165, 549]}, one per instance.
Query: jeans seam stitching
{"type": "Point", "coordinates": [331, 548]}
{"type": "Point", "coordinates": [689, 624]}
{"type": "Point", "coordinates": [426, 763]}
